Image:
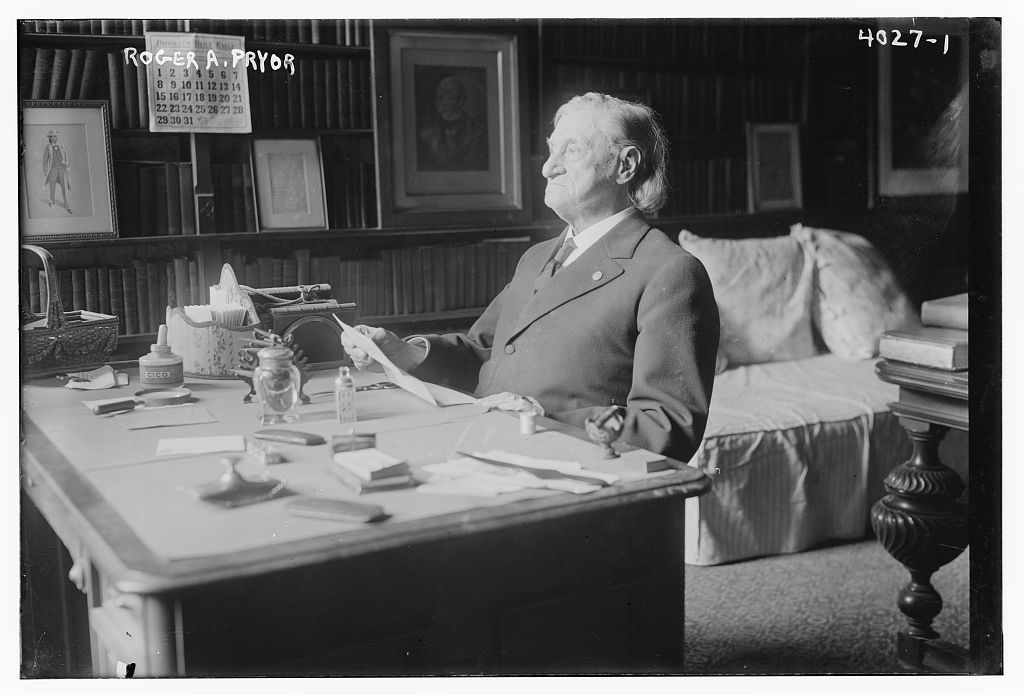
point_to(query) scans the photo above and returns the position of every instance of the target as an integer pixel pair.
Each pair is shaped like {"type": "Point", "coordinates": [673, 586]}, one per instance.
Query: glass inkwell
{"type": "Point", "coordinates": [277, 382]}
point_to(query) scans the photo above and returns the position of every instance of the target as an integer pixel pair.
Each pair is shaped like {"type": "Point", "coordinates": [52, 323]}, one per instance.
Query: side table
{"type": "Point", "coordinates": [922, 521]}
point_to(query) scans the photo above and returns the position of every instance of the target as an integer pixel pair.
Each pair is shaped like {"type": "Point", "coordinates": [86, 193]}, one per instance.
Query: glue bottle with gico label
{"type": "Point", "coordinates": [161, 367]}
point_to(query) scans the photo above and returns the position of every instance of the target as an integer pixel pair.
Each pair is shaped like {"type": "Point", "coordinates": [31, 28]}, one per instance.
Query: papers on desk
{"type": "Point", "coordinates": [476, 478]}
{"type": "Point", "coordinates": [177, 446]}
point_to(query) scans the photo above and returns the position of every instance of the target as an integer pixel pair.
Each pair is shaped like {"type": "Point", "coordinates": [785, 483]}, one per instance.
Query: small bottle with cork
{"type": "Point", "coordinates": [161, 367]}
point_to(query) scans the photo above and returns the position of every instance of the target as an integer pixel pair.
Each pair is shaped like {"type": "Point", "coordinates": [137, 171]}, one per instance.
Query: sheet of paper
{"type": "Point", "coordinates": [170, 416]}
{"type": "Point", "coordinates": [100, 378]}
{"type": "Point", "coordinates": [394, 374]}
{"type": "Point", "coordinates": [569, 467]}
{"type": "Point", "coordinates": [445, 396]}
{"type": "Point", "coordinates": [176, 446]}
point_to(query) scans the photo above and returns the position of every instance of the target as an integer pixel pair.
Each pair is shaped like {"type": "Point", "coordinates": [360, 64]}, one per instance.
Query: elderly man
{"type": "Point", "coordinates": [610, 312]}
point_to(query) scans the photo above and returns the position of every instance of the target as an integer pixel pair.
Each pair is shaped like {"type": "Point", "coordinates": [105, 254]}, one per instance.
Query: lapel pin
{"type": "Point", "coordinates": [597, 275]}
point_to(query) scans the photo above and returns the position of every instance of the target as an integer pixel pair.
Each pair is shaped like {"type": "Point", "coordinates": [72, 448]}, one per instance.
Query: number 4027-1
{"type": "Point", "coordinates": [896, 37]}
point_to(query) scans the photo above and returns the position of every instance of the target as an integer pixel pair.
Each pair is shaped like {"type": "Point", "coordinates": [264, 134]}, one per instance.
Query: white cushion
{"type": "Point", "coordinates": [858, 296]}
{"type": "Point", "coordinates": [764, 289]}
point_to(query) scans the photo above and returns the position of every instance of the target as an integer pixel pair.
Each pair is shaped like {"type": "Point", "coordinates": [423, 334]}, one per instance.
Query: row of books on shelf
{"type": "Point", "coordinates": [63, 73]}
{"type": "Point", "coordinates": [350, 188]}
{"type": "Point", "coordinates": [155, 198]}
{"type": "Point", "coordinates": [333, 32]}
{"type": "Point", "coordinates": [137, 292]}
{"type": "Point", "coordinates": [400, 281]}
{"type": "Point", "coordinates": [941, 343]}
{"type": "Point", "coordinates": [710, 185]}
{"type": "Point", "coordinates": [693, 104]}
{"type": "Point", "coordinates": [694, 42]}
{"type": "Point", "coordinates": [323, 93]}
{"type": "Point", "coordinates": [115, 27]}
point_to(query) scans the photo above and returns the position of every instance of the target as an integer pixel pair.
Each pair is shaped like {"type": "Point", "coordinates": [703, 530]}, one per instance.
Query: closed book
{"type": "Point", "coordinates": [307, 105]}
{"type": "Point", "coordinates": [142, 95]}
{"type": "Point", "coordinates": [160, 197]}
{"type": "Point", "coordinates": [946, 312]}
{"type": "Point", "coordinates": [42, 71]}
{"type": "Point", "coordinates": [357, 484]}
{"type": "Point", "coordinates": [92, 290]}
{"type": "Point", "coordinates": [186, 198]}
{"type": "Point", "coordinates": [238, 223]}
{"type": "Point", "coordinates": [181, 288]}
{"type": "Point", "coordinates": [103, 290]}
{"type": "Point", "coordinates": [294, 91]}
{"type": "Point", "coordinates": [172, 191]}
{"type": "Point", "coordinates": [195, 290]}
{"type": "Point", "coordinates": [172, 283]}
{"type": "Point", "coordinates": [248, 200]}
{"type": "Point", "coordinates": [344, 112]}
{"type": "Point", "coordinates": [277, 272]}
{"type": "Point", "coordinates": [131, 301]}
{"type": "Point", "coordinates": [90, 74]}
{"type": "Point", "coordinates": [354, 93]}
{"type": "Point", "coordinates": [156, 280]}
{"type": "Point", "coordinates": [252, 274]}
{"type": "Point", "coordinates": [148, 222]}
{"type": "Point", "coordinates": [302, 273]}
{"type": "Point", "coordinates": [265, 265]}
{"type": "Point", "coordinates": [943, 348]}
{"type": "Point", "coordinates": [131, 95]}
{"type": "Point", "coordinates": [289, 272]}
{"type": "Point", "coordinates": [331, 93]}
{"type": "Point", "coordinates": [115, 289]}
{"type": "Point", "coordinates": [319, 90]}
{"type": "Point", "coordinates": [61, 69]}
{"type": "Point", "coordinates": [74, 84]}
{"type": "Point", "coordinates": [371, 464]}
{"type": "Point", "coordinates": [78, 288]}
{"type": "Point", "coordinates": [141, 294]}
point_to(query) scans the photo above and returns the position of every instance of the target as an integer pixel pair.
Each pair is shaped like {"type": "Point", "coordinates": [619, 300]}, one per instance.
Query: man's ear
{"type": "Point", "coordinates": [628, 164]}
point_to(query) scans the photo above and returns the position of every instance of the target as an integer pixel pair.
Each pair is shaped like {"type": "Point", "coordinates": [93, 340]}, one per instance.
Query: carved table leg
{"type": "Point", "coordinates": [921, 524]}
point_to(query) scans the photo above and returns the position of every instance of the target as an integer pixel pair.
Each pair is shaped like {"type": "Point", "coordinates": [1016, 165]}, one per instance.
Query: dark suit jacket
{"type": "Point", "coordinates": [632, 321]}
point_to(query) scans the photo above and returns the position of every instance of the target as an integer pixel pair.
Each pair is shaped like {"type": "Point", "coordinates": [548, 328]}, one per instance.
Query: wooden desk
{"type": "Point", "coordinates": [555, 583]}
{"type": "Point", "coordinates": [922, 522]}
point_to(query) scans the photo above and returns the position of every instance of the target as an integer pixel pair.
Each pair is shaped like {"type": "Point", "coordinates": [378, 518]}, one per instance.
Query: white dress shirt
{"type": "Point", "coordinates": [592, 234]}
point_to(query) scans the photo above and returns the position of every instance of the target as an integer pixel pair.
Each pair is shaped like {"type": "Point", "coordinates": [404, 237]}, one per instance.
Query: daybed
{"type": "Point", "coordinates": [799, 436]}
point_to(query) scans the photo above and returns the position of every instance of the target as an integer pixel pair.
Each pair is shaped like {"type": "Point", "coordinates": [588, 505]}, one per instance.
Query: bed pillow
{"type": "Point", "coordinates": [857, 295]}
{"type": "Point", "coordinates": [764, 289]}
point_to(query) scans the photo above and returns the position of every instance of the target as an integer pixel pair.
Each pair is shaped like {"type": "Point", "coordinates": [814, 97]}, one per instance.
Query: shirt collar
{"type": "Point", "coordinates": [592, 234]}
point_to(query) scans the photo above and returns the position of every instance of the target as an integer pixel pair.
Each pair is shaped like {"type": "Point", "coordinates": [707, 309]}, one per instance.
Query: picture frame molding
{"type": "Point", "coordinates": [317, 197]}
{"type": "Point", "coordinates": [101, 175]}
{"type": "Point", "coordinates": [756, 201]}
{"type": "Point", "coordinates": [397, 206]}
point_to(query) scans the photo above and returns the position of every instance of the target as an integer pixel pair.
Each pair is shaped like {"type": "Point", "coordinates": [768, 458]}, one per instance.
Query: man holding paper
{"type": "Point", "coordinates": [610, 312]}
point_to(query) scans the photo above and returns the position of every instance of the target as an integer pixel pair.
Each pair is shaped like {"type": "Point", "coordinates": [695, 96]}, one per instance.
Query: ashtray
{"type": "Point", "coordinates": [232, 489]}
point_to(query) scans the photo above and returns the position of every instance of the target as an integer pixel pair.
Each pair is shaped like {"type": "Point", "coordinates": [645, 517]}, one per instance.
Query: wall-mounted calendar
{"type": "Point", "coordinates": [198, 83]}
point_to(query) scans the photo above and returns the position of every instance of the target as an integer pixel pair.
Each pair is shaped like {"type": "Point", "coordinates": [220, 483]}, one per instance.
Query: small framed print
{"type": "Point", "coordinates": [773, 167]}
{"type": "Point", "coordinates": [66, 186]}
{"type": "Point", "coordinates": [289, 183]}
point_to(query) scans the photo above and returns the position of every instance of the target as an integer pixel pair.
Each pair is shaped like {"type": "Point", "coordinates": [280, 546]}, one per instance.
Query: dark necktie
{"type": "Point", "coordinates": [554, 264]}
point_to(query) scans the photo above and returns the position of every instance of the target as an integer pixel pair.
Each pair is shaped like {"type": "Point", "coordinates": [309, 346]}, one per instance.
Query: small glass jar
{"type": "Point", "coordinates": [277, 382]}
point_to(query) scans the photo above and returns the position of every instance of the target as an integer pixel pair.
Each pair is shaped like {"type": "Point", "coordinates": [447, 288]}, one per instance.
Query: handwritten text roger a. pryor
{"type": "Point", "coordinates": [254, 60]}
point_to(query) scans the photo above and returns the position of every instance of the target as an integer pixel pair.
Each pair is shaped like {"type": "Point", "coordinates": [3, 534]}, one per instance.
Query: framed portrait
{"type": "Point", "coordinates": [450, 146]}
{"type": "Point", "coordinates": [773, 167]}
{"type": "Point", "coordinates": [289, 183]}
{"type": "Point", "coordinates": [923, 108]}
{"type": "Point", "coordinates": [66, 179]}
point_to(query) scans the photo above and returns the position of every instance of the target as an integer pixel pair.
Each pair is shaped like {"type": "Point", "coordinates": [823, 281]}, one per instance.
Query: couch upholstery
{"type": "Point", "coordinates": [799, 435]}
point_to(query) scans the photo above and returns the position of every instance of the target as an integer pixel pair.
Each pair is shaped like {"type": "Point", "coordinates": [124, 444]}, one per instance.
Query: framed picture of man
{"type": "Point", "coordinates": [450, 147]}
{"type": "Point", "coordinates": [66, 183]}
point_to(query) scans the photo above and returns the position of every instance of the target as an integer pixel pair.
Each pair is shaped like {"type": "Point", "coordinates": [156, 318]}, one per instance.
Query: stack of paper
{"type": "Point", "coordinates": [366, 470]}
{"type": "Point", "coordinates": [509, 473]}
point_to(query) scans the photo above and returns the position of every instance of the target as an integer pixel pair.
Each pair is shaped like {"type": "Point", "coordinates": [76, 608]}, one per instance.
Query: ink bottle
{"type": "Point", "coordinates": [277, 381]}
{"type": "Point", "coordinates": [161, 367]}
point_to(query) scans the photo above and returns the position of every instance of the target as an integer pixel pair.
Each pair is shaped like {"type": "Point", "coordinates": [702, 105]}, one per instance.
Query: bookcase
{"type": "Point", "coordinates": [188, 202]}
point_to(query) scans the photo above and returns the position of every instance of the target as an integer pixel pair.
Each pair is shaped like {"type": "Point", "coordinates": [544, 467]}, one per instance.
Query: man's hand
{"type": "Point", "coordinates": [404, 355]}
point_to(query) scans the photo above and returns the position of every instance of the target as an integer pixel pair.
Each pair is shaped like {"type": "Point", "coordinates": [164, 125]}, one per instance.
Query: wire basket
{"type": "Point", "coordinates": [66, 340]}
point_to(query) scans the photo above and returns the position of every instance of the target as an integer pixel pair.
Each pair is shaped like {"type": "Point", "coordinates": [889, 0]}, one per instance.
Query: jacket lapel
{"type": "Point", "coordinates": [595, 268]}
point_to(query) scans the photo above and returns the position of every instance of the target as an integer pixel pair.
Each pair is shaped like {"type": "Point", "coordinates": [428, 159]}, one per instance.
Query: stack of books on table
{"type": "Point", "coordinates": [368, 470]}
{"type": "Point", "coordinates": [941, 343]}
